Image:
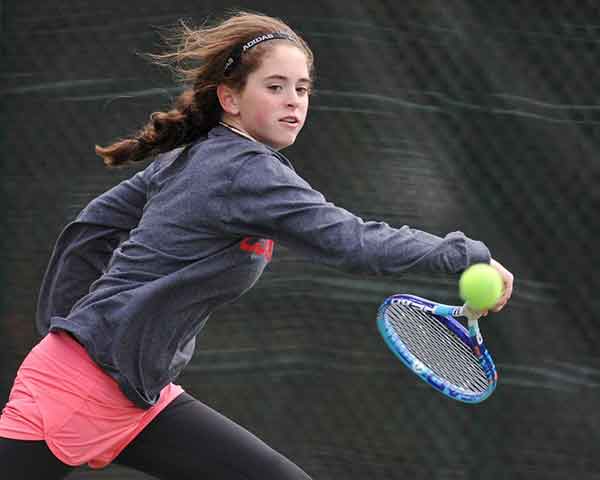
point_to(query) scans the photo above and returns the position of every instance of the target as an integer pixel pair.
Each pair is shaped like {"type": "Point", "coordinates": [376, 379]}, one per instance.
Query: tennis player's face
{"type": "Point", "coordinates": [274, 102]}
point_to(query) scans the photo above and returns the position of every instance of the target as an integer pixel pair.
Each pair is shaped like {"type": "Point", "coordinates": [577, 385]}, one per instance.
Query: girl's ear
{"type": "Point", "coordinates": [228, 98]}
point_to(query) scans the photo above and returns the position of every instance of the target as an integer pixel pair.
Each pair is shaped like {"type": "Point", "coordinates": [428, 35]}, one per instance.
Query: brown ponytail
{"type": "Point", "coordinates": [199, 58]}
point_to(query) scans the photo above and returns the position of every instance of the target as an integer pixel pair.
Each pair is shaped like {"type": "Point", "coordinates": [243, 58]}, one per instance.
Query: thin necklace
{"type": "Point", "coordinates": [239, 132]}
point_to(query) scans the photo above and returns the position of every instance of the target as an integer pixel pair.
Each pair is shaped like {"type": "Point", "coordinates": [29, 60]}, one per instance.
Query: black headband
{"type": "Point", "coordinates": [237, 53]}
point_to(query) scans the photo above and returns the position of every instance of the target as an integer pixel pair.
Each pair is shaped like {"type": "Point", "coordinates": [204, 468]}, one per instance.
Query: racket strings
{"type": "Point", "coordinates": [443, 352]}
{"type": "Point", "coordinates": [450, 360]}
{"type": "Point", "coordinates": [447, 365]}
{"type": "Point", "coordinates": [436, 346]}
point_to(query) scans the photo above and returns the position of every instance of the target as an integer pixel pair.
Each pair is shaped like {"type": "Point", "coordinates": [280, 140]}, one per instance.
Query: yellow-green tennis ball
{"type": "Point", "coordinates": [480, 286]}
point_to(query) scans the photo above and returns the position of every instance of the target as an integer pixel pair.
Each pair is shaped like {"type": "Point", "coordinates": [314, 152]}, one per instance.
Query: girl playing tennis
{"type": "Point", "coordinates": [134, 278]}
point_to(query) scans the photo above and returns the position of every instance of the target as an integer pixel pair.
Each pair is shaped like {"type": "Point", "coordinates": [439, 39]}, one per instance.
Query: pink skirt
{"type": "Point", "coordinates": [61, 396]}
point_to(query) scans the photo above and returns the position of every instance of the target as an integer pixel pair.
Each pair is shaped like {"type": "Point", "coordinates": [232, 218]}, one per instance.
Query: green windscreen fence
{"type": "Point", "coordinates": [476, 116]}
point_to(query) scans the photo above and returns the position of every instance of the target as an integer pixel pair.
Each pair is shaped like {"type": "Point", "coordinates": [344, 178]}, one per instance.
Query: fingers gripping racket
{"type": "Point", "coordinates": [430, 341]}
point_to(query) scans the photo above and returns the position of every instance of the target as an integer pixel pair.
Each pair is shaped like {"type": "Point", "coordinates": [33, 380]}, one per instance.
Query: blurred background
{"type": "Point", "coordinates": [444, 115]}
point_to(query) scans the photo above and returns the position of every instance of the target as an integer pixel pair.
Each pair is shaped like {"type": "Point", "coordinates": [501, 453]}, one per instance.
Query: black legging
{"type": "Point", "coordinates": [187, 440]}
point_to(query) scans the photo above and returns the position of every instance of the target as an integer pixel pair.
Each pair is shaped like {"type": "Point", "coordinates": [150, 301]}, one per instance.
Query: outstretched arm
{"type": "Point", "coordinates": [267, 199]}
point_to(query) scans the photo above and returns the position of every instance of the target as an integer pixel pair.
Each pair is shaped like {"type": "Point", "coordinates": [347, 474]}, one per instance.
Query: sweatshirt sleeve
{"type": "Point", "coordinates": [85, 247]}
{"type": "Point", "coordinates": [268, 199]}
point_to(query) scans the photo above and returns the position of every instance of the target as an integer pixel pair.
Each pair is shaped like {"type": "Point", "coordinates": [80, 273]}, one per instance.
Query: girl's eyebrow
{"type": "Point", "coordinates": [284, 78]}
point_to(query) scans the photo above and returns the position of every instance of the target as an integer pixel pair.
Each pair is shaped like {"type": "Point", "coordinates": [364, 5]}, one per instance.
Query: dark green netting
{"type": "Point", "coordinates": [470, 115]}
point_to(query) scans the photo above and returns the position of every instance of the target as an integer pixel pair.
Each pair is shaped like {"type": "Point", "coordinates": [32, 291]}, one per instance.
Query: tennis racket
{"type": "Point", "coordinates": [432, 342]}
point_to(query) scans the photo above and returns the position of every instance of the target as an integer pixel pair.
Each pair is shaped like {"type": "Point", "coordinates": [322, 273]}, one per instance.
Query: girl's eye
{"type": "Point", "coordinates": [302, 90]}
{"type": "Point", "coordinates": [275, 88]}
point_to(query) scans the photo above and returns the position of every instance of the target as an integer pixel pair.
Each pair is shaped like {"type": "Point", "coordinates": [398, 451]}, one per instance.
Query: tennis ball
{"type": "Point", "coordinates": [480, 286]}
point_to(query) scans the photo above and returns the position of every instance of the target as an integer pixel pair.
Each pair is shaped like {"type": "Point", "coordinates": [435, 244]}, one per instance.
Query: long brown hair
{"type": "Point", "coordinates": [198, 57]}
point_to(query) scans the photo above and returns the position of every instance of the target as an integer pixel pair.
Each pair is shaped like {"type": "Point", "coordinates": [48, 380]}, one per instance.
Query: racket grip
{"type": "Point", "coordinates": [471, 313]}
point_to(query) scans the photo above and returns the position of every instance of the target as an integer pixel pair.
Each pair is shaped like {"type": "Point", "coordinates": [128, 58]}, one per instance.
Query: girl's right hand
{"type": "Point", "coordinates": [507, 279]}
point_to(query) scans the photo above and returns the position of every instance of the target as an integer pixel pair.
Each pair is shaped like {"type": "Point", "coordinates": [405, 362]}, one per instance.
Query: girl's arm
{"type": "Point", "coordinates": [267, 199]}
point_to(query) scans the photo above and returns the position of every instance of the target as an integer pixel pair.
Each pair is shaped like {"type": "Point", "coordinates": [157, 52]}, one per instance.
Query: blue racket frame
{"type": "Point", "coordinates": [447, 315]}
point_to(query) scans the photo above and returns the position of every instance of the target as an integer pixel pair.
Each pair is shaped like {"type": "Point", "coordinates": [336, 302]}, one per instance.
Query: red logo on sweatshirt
{"type": "Point", "coordinates": [258, 246]}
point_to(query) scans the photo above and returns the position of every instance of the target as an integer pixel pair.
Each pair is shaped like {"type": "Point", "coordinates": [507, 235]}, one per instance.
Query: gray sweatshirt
{"type": "Point", "coordinates": [136, 276]}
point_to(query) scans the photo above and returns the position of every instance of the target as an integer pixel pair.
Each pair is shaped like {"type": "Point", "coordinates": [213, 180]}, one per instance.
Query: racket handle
{"type": "Point", "coordinates": [471, 313]}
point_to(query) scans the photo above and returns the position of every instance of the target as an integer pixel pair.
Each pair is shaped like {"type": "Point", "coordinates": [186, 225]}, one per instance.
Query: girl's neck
{"type": "Point", "coordinates": [236, 130]}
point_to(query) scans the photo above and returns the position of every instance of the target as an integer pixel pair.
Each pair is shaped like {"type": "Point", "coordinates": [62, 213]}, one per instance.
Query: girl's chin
{"type": "Point", "coordinates": [282, 142]}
